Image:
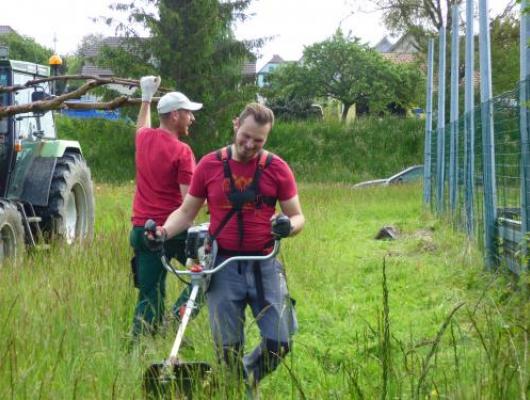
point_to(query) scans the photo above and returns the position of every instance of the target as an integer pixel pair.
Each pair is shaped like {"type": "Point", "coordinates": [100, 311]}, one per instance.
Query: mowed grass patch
{"type": "Point", "coordinates": [66, 311]}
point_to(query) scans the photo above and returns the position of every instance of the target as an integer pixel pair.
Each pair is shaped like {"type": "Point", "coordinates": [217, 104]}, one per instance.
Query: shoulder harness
{"type": "Point", "coordinates": [251, 194]}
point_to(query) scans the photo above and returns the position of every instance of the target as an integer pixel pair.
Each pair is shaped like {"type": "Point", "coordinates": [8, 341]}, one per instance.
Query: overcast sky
{"type": "Point", "coordinates": [291, 23]}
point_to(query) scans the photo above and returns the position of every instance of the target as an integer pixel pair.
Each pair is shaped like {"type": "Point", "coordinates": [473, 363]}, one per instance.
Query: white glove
{"type": "Point", "coordinates": [149, 85]}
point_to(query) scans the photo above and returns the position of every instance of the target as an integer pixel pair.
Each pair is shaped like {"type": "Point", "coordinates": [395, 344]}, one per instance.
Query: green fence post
{"type": "Point", "coordinates": [453, 156]}
{"type": "Point", "coordinates": [488, 141]}
{"type": "Point", "coordinates": [469, 121]}
{"type": "Point", "coordinates": [440, 142]}
{"type": "Point", "coordinates": [427, 159]}
{"type": "Point", "coordinates": [524, 127]}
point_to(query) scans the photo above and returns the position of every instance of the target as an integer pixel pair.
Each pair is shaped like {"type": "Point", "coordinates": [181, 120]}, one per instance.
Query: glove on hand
{"type": "Point", "coordinates": [149, 85]}
{"type": "Point", "coordinates": [154, 236]}
{"type": "Point", "coordinates": [281, 226]}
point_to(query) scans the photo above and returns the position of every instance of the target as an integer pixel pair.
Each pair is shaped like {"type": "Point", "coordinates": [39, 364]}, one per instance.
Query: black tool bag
{"type": "Point", "coordinates": [134, 272]}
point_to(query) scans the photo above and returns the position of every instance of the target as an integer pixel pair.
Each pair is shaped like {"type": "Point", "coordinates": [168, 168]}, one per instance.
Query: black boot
{"type": "Point", "coordinates": [264, 359]}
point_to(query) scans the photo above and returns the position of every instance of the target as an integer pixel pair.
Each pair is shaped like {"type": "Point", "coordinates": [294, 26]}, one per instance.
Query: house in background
{"type": "Point", "coordinates": [90, 53]}
{"type": "Point", "coordinates": [5, 29]}
{"type": "Point", "coordinates": [270, 66]}
{"type": "Point", "coordinates": [402, 51]}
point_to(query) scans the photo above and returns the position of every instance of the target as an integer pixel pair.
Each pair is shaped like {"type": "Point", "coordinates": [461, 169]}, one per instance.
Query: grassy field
{"type": "Point", "coordinates": [412, 318]}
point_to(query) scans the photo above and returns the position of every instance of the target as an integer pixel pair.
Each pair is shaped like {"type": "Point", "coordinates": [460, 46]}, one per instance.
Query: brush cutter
{"type": "Point", "coordinates": [175, 378]}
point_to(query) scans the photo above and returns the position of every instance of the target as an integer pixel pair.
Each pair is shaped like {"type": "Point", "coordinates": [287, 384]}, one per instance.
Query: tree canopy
{"type": "Point", "coordinates": [24, 48]}
{"type": "Point", "coordinates": [190, 43]}
{"type": "Point", "coordinates": [418, 18]}
{"type": "Point", "coordinates": [504, 52]}
{"type": "Point", "coordinates": [350, 72]}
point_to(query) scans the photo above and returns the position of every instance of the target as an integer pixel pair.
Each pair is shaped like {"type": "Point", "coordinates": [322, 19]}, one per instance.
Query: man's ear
{"type": "Point", "coordinates": [235, 123]}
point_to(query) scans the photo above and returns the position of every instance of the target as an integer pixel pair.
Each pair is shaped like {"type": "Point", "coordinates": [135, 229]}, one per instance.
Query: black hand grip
{"type": "Point", "coordinates": [153, 241]}
{"type": "Point", "coordinates": [150, 226]}
{"type": "Point", "coordinates": [281, 226]}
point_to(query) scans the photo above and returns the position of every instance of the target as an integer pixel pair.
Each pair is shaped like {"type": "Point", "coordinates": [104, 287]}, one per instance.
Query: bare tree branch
{"type": "Point", "coordinates": [64, 101]}
{"type": "Point", "coordinates": [104, 81]}
{"type": "Point", "coordinates": [122, 101]}
{"type": "Point", "coordinates": [507, 10]}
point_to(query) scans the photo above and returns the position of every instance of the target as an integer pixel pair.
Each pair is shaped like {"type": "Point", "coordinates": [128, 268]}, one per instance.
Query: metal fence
{"type": "Point", "coordinates": [477, 166]}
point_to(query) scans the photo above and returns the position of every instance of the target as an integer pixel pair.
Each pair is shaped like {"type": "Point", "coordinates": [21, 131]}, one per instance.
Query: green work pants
{"type": "Point", "coordinates": [151, 279]}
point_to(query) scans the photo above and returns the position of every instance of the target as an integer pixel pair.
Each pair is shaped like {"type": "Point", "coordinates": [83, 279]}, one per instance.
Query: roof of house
{"type": "Point", "coordinates": [110, 41]}
{"type": "Point", "coordinates": [384, 45]}
{"type": "Point", "coordinates": [248, 69]}
{"type": "Point", "coordinates": [276, 59]}
{"type": "Point", "coordinates": [405, 44]}
{"type": "Point", "coordinates": [6, 29]}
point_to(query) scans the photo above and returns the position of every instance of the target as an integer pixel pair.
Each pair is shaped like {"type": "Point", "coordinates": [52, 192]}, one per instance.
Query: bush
{"type": "Point", "coordinates": [318, 151]}
{"type": "Point", "coordinates": [296, 109]}
{"type": "Point", "coordinates": [328, 151]}
{"type": "Point", "coordinates": [108, 146]}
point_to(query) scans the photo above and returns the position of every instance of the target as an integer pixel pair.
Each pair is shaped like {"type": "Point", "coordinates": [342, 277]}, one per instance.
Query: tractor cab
{"type": "Point", "coordinates": [46, 189]}
{"type": "Point", "coordinates": [25, 127]}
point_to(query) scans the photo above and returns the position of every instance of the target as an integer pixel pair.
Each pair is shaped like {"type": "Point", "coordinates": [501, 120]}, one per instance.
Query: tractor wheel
{"type": "Point", "coordinates": [11, 231]}
{"type": "Point", "coordinates": [70, 212]}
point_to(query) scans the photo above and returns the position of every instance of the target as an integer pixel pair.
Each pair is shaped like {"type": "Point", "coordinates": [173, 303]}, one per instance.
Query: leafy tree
{"type": "Point", "coordinates": [504, 52]}
{"type": "Point", "coordinates": [416, 17]}
{"type": "Point", "coordinates": [192, 46]}
{"type": "Point", "coordinates": [25, 48]}
{"type": "Point", "coordinates": [350, 72]}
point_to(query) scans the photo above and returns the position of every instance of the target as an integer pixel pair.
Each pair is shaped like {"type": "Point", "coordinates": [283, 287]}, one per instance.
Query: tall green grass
{"type": "Point", "coordinates": [318, 151]}
{"type": "Point", "coordinates": [412, 318]}
{"type": "Point", "coordinates": [333, 152]}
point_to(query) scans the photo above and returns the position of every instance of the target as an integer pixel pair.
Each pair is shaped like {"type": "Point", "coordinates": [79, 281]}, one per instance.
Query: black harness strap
{"type": "Point", "coordinates": [262, 302]}
{"type": "Point", "coordinates": [239, 198]}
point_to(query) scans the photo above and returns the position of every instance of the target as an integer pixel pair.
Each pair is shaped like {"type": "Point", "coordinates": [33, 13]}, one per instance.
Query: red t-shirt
{"type": "Point", "coordinates": [277, 181]}
{"type": "Point", "coordinates": [162, 164]}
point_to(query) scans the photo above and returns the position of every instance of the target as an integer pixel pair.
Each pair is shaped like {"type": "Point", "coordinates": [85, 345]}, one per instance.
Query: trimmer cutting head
{"type": "Point", "coordinates": [177, 381]}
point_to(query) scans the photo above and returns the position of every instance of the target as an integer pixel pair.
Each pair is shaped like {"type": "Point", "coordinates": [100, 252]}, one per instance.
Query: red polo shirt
{"type": "Point", "coordinates": [162, 164]}
{"type": "Point", "coordinates": [277, 181]}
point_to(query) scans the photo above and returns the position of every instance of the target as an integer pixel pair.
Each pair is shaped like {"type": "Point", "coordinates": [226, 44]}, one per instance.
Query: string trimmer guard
{"type": "Point", "coordinates": [177, 381]}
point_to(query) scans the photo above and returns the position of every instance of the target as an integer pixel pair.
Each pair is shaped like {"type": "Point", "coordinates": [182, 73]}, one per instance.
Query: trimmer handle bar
{"type": "Point", "coordinates": [206, 272]}
{"type": "Point", "coordinates": [198, 270]}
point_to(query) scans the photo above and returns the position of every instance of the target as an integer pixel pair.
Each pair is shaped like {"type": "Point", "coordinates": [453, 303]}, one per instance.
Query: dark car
{"type": "Point", "coordinates": [410, 174]}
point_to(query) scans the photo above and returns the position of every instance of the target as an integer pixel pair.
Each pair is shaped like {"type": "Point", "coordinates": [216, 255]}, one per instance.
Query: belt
{"type": "Point", "coordinates": [234, 253]}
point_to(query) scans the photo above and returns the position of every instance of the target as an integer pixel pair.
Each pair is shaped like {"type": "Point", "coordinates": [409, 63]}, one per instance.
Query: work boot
{"type": "Point", "coordinates": [264, 359]}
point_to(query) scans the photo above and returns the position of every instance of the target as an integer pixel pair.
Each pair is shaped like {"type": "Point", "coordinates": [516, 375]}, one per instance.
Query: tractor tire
{"type": "Point", "coordinates": [11, 231]}
{"type": "Point", "coordinates": [70, 212]}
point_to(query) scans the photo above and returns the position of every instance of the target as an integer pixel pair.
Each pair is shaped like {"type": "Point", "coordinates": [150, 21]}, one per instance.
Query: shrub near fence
{"type": "Point", "coordinates": [318, 151]}
{"type": "Point", "coordinates": [507, 194]}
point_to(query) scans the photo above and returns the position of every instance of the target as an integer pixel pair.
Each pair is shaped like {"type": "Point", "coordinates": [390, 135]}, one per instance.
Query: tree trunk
{"type": "Point", "coordinates": [346, 107]}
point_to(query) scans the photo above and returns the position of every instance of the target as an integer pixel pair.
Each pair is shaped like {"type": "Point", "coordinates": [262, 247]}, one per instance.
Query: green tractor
{"type": "Point", "coordinates": [46, 190]}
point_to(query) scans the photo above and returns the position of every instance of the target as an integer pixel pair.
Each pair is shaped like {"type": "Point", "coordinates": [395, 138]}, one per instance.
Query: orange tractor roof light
{"type": "Point", "coordinates": [55, 60]}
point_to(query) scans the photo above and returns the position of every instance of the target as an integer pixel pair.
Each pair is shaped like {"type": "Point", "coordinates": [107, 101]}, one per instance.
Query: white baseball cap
{"type": "Point", "coordinates": [176, 101]}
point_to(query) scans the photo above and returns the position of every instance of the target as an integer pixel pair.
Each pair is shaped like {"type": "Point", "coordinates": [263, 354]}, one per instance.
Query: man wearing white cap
{"type": "Point", "coordinates": [164, 166]}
